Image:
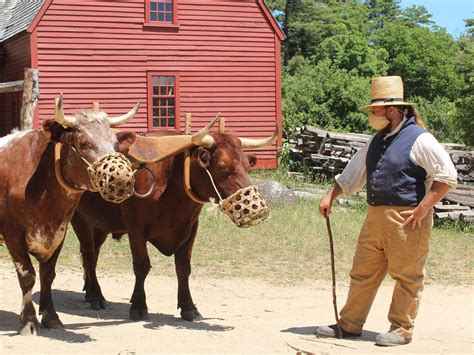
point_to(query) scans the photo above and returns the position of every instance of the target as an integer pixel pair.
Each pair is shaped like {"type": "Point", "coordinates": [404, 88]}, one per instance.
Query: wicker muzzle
{"type": "Point", "coordinates": [245, 207]}
{"type": "Point", "coordinates": [112, 177]}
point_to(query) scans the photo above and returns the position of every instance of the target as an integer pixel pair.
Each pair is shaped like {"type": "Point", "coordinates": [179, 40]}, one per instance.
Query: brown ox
{"type": "Point", "coordinates": [168, 219]}
{"type": "Point", "coordinates": [35, 207]}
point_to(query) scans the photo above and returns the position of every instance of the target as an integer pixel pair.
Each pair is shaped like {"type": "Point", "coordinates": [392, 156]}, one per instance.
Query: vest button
{"type": "Point", "coordinates": [372, 203]}
{"type": "Point", "coordinates": [372, 195]}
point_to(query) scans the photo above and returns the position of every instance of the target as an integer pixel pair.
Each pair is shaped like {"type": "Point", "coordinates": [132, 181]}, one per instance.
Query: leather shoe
{"type": "Point", "coordinates": [332, 331]}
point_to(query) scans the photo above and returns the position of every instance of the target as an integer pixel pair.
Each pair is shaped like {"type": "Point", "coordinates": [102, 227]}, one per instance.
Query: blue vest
{"type": "Point", "coordinates": [392, 177]}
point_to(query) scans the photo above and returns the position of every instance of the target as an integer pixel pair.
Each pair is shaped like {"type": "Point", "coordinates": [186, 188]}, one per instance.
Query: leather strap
{"type": "Point", "coordinates": [187, 180]}
{"type": "Point", "coordinates": [59, 174]}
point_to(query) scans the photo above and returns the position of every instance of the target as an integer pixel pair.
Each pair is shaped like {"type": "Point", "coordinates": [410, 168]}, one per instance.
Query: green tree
{"type": "Point", "coordinates": [415, 16]}
{"type": "Point", "coordinates": [439, 117]}
{"type": "Point", "coordinates": [425, 59]}
{"type": "Point", "coordinates": [325, 96]}
{"type": "Point", "coordinates": [465, 103]}
{"type": "Point", "coordinates": [382, 12]}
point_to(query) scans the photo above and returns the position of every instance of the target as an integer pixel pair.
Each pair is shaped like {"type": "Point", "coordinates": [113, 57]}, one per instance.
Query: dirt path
{"type": "Point", "coordinates": [240, 316]}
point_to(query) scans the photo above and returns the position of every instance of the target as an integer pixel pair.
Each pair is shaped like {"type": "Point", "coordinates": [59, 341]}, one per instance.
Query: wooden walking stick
{"type": "Point", "coordinates": [333, 271]}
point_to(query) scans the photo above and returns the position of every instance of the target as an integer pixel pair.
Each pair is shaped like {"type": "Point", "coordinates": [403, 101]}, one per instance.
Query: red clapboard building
{"type": "Point", "coordinates": [175, 56]}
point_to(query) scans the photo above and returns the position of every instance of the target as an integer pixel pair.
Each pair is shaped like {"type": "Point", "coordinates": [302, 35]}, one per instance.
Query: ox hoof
{"type": "Point", "coordinates": [98, 304]}
{"type": "Point", "coordinates": [136, 314]}
{"type": "Point", "coordinates": [191, 315]}
{"type": "Point", "coordinates": [29, 328]}
{"type": "Point", "coordinates": [52, 323]}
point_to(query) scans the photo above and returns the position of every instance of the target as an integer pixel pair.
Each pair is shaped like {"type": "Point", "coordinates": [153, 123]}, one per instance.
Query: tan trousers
{"type": "Point", "coordinates": [384, 245]}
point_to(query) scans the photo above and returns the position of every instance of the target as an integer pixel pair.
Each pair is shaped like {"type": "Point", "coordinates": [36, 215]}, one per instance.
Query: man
{"type": "Point", "coordinates": [406, 172]}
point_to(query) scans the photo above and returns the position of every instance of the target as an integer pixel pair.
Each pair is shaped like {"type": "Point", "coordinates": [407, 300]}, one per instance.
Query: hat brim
{"type": "Point", "coordinates": [379, 104]}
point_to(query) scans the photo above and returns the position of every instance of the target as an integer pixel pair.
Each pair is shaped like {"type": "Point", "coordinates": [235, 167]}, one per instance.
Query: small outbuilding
{"type": "Point", "coordinates": [175, 56]}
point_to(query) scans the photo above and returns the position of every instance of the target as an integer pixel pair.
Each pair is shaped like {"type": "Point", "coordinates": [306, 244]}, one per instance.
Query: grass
{"type": "Point", "coordinates": [288, 248]}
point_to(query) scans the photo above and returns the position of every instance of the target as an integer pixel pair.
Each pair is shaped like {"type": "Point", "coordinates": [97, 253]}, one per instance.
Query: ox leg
{"type": "Point", "coordinates": [94, 293]}
{"type": "Point", "coordinates": [50, 318]}
{"type": "Point", "coordinates": [90, 240]}
{"type": "Point", "coordinates": [182, 260]}
{"type": "Point", "coordinates": [26, 276]}
{"type": "Point", "coordinates": [141, 268]}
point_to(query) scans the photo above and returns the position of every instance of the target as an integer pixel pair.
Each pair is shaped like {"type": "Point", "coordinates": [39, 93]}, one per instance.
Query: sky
{"type": "Point", "coordinates": [446, 13]}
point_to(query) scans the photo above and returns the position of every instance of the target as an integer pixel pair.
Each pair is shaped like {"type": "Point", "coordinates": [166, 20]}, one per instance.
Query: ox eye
{"type": "Point", "coordinates": [84, 146]}
{"type": "Point", "coordinates": [222, 165]}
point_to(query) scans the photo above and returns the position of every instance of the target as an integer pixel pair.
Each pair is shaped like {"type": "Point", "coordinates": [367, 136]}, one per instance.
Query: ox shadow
{"type": "Point", "coordinates": [367, 335]}
{"type": "Point", "coordinates": [73, 303]}
{"type": "Point", "coordinates": [10, 321]}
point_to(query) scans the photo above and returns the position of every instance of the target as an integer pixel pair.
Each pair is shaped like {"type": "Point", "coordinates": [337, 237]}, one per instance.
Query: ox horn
{"type": "Point", "coordinates": [114, 121]}
{"type": "Point", "coordinates": [248, 143]}
{"type": "Point", "coordinates": [59, 117]}
{"type": "Point", "coordinates": [202, 137]}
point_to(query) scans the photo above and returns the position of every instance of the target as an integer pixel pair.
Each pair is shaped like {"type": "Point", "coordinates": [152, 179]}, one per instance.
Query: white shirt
{"type": "Point", "coordinates": [426, 152]}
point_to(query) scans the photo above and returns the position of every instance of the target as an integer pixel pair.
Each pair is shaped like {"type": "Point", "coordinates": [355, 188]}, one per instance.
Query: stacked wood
{"type": "Point", "coordinates": [325, 152]}
{"type": "Point", "coordinates": [464, 163]}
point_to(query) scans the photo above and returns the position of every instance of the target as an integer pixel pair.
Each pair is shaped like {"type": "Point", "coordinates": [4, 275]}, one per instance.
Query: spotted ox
{"type": "Point", "coordinates": [36, 203]}
{"type": "Point", "coordinates": [168, 218]}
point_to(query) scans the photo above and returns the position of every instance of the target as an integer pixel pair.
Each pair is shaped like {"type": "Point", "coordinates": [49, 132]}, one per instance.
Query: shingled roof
{"type": "Point", "coordinates": [16, 16]}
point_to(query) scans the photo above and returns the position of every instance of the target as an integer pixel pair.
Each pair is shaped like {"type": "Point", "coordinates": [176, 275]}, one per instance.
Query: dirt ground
{"type": "Point", "coordinates": [239, 316]}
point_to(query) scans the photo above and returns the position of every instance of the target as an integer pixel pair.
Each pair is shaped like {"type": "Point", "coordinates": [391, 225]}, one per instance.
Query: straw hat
{"type": "Point", "coordinates": [386, 91]}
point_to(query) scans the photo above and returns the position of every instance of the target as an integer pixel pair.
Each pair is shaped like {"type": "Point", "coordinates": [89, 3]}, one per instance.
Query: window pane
{"type": "Point", "coordinates": [163, 101]}
{"type": "Point", "coordinates": [168, 7]}
{"type": "Point", "coordinates": [169, 18]}
{"type": "Point", "coordinates": [161, 16]}
{"type": "Point", "coordinates": [161, 6]}
{"type": "Point", "coordinates": [153, 5]}
{"type": "Point", "coordinates": [153, 16]}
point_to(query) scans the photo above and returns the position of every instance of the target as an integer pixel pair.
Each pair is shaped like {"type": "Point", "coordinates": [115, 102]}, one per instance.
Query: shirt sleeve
{"type": "Point", "coordinates": [428, 153]}
{"type": "Point", "coordinates": [354, 176]}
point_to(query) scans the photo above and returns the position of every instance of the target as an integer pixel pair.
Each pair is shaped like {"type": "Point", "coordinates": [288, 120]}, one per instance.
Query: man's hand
{"type": "Point", "coordinates": [434, 195]}
{"type": "Point", "coordinates": [415, 217]}
{"type": "Point", "coordinates": [325, 206]}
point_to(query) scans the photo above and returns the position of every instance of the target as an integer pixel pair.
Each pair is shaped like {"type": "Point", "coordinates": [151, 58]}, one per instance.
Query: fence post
{"type": "Point", "coordinates": [30, 98]}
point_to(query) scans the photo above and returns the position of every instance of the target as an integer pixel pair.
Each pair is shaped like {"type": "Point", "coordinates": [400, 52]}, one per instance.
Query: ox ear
{"type": "Point", "coordinates": [203, 157]}
{"type": "Point", "coordinates": [55, 130]}
{"type": "Point", "coordinates": [252, 159]}
{"type": "Point", "coordinates": [125, 140]}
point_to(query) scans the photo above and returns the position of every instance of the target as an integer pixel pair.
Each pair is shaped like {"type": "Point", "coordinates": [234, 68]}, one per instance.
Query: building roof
{"type": "Point", "coordinates": [16, 16]}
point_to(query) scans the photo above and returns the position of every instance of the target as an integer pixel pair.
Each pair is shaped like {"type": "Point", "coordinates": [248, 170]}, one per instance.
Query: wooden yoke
{"type": "Point", "coordinates": [152, 149]}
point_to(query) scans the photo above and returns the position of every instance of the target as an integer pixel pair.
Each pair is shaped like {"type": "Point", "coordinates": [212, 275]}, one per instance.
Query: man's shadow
{"type": "Point", "coordinates": [367, 335]}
